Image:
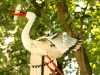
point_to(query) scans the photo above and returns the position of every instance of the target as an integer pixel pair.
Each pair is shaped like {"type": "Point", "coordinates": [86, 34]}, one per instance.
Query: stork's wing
{"type": "Point", "coordinates": [45, 37]}
{"type": "Point", "coordinates": [71, 41]}
{"type": "Point", "coordinates": [58, 42]}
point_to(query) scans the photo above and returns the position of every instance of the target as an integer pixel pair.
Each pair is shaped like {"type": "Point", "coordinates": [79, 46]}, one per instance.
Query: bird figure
{"type": "Point", "coordinates": [51, 47]}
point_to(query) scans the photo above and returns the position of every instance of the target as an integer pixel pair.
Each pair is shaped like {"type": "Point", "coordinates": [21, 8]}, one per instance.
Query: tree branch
{"type": "Point", "coordinates": [62, 11]}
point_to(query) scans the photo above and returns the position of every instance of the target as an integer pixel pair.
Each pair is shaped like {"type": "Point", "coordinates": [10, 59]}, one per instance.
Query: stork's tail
{"type": "Point", "coordinates": [36, 65]}
{"type": "Point", "coordinates": [75, 47]}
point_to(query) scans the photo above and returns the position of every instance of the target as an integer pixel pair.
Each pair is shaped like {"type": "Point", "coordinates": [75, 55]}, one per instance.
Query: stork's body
{"type": "Point", "coordinates": [52, 46]}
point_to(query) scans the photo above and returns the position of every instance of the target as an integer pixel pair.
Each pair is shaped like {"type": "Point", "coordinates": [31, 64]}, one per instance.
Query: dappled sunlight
{"type": "Point", "coordinates": [9, 40]}
{"type": "Point", "coordinates": [14, 58]}
{"type": "Point", "coordinates": [71, 68]}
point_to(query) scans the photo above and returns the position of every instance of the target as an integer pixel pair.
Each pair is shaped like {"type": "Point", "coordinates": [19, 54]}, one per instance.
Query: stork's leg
{"type": "Point", "coordinates": [54, 65]}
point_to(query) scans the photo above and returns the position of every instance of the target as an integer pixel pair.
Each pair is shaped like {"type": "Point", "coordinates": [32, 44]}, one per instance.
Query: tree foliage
{"type": "Point", "coordinates": [82, 17]}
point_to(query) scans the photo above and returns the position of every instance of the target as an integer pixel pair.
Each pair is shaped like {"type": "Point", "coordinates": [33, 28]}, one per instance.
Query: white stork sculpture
{"type": "Point", "coordinates": [51, 47]}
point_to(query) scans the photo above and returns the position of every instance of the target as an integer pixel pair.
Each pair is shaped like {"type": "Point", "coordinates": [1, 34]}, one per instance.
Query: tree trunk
{"type": "Point", "coordinates": [80, 55]}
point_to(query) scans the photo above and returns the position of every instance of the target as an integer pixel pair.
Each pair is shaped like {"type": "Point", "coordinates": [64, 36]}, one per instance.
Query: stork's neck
{"type": "Point", "coordinates": [25, 33]}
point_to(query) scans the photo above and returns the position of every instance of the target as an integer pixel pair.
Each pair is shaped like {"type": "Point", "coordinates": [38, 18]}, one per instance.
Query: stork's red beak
{"type": "Point", "coordinates": [21, 13]}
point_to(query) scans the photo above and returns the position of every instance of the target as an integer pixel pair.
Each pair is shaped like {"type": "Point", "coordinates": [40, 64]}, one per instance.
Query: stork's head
{"type": "Point", "coordinates": [28, 15]}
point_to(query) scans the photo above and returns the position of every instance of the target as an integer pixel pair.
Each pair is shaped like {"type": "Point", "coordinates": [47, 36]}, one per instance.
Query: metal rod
{"type": "Point", "coordinates": [54, 65]}
{"type": "Point", "coordinates": [42, 67]}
